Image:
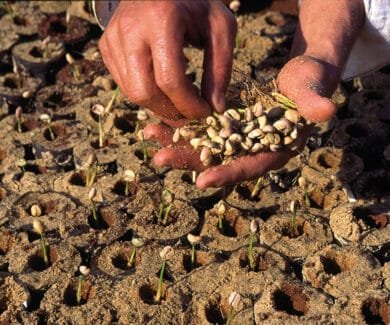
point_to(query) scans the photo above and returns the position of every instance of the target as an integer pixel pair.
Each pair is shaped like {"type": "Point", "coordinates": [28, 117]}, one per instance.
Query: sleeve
{"type": "Point", "coordinates": [103, 10]}
{"type": "Point", "coordinates": [371, 50]}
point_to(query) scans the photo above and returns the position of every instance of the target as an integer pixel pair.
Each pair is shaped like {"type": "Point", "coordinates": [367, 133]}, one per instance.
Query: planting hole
{"type": "Point", "coordinates": [187, 178]}
{"type": "Point", "coordinates": [70, 294]}
{"type": "Point", "coordinates": [378, 221]}
{"type": "Point", "coordinates": [57, 27]}
{"type": "Point", "coordinates": [36, 297]}
{"type": "Point", "coordinates": [200, 260]}
{"type": "Point", "coordinates": [77, 179]}
{"type": "Point", "coordinates": [289, 232]}
{"type": "Point", "coordinates": [232, 225]}
{"type": "Point", "coordinates": [35, 169]}
{"type": "Point", "coordinates": [120, 260]}
{"type": "Point", "coordinates": [55, 100]}
{"type": "Point", "coordinates": [214, 314]}
{"type": "Point", "coordinates": [291, 300]}
{"type": "Point", "coordinates": [59, 131]}
{"type": "Point", "coordinates": [10, 83]}
{"type": "Point", "coordinates": [37, 263]}
{"type": "Point", "coordinates": [146, 293]}
{"type": "Point", "coordinates": [262, 263]}
{"type": "Point", "coordinates": [166, 275]}
{"type": "Point", "coordinates": [328, 160]}
{"type": "Point", "coordinates": [28, 125]}
{"type": "Point", "coordinates": [120, 188]}
{"type": "Point", "coordinates": [125, 123]}
{"type": "Point", "coordinates": [19, 21]}
{"type": "Point", "coordinates": [36, 52]}
{"type": "Point", "coordinates": [356, 130]}
{"type": "Point", "coordinates": [330, 265]}
{"type": "Point", "coordinates": [375, 311]}
{"type": "Point", "coordinates": [99, 224]}
{"type": "Point", "coordinates": [245, 191]}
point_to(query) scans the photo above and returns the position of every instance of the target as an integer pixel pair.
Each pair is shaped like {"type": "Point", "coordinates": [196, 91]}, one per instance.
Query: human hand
{"type": "Point", "coordinates": [143, 50]}
{"type": "Point", "coordinates": [304, 80]}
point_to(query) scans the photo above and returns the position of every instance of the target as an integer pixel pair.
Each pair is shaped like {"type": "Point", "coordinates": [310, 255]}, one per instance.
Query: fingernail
{"type": "Point", "coordinates": [220, 103]}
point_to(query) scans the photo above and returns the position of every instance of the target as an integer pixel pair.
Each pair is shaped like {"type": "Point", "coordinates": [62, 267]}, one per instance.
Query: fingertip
{"type": "Point", "coordinates": [316, 108]}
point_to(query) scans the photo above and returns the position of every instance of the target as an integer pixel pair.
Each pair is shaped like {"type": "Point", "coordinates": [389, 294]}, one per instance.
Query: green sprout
{"type": "Point", "coordinates": [220, 212]}
{"type": "Point", "coordinates": [165, 206]}
{"type": "Point", "coordinates": [110, 104]}
{"type": "Point", "coordinates": [165, 254]}
{"type": "Point", "coordinates": [143, 145]}
{"type": "Point", "coordinates": [21, 163]}
{"type": "Point", "coordinates": [303, 184]}
{"type": "Point", "coordinates": [137, 242]}
{"type": "Point", "coordinates": [251, 258]}
{"type": "Point", "coordinates": [99, 110]}
{"type": "Point", "coordinates": [75, 70]}
{"type": "Point", "coordinates": [193, 240]}
{"type": "Point", "coordinates": [39, 229]}
{"type": "Point", "coordinates": [293, 209]}
{"type": "Point", "coordinates": [84, 272]}
{"type": "Point", "coordinates": [91, 169]}
{"type": "Point", "coordinates": [256, 189]}
{"type": "Point", "coordinates": [91, 196]}
{"type": "Point", "coordinates": [47, 119]}
{"type": "Point", "coordinates": [286, 102]}
{"type": "Point", "coordinates": [234, 301]}
{"type": "Point", "coordinates": [18, 117]}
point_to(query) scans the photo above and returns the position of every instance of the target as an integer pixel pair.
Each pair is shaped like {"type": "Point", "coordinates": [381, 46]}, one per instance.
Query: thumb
{"type": "Point", "coordinates": [308, 82]}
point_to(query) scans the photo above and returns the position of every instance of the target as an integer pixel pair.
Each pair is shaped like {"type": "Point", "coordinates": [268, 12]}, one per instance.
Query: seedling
{"type": "Point", "coordinates": [252, 238]}
{"type": "Point", "coordinates": [67, 20]}
{"type": "Point", "coordinates": [293, 209]}
{"type": "Point", "coordinates": [36, 210]}
{"type": "Point", "coordinates": [98, 109]}
{"type": "Point", "coordinates": [137, 242]}
{"type": "Point", "coordinates": [165, 206]}
{"type": "Point", "coordinates": [21, 163]}
{"type": "Point", "coordinates": [16, 72]}
{"type": "Point", "coordinates": [193, 240]}
{"type": "Point", "coordinates": [303, 184]}
{"type": "Point", "coordinates": [91, 169]}
{"type": "Point", "coordinates": [92, 206]}
{"type": "Point", "coordinates": [110, 104]}
{"type": "Point", "coordinates": [194, 175]}
{"type": "Point", "coordinates": [220, 212]}
{"type": "Point", "coordinates": [18, 117]}
{"type": "Point", "coordinates": [256, 189]}
{"type": "Point", "coordinates": [234, 301]}
{"type": "Point", "coordinates": [165, 254]}
{"type": "Point", "coordinates": [129, 177]}
{"type": "Point", "coordinates": [45, 43]}
{"type": "Point", "coordinates": [75, 70]}
{"type": "Point", "coordinates": [286, 102]}
{"type": "Point", "coordinates": [84, 272]}
{"type": "Point", "coordinates": [45, 118]}
{"type": "Point", "coordinates": [141, 116]}
{"type": "Point", "coordinates": [39, 229]}
{"type": "Point", "coordinates": [143, 144]}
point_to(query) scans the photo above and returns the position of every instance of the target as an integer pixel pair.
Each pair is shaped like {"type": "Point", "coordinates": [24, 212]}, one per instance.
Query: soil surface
{"type": "Point", "coordinates": [330, 264]}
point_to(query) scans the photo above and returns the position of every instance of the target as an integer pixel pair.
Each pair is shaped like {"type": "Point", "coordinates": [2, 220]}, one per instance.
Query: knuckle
{"type": "Point", "coordinates": [167, 82]}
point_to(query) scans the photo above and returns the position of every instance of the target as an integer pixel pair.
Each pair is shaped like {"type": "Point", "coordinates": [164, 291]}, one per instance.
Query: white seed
{"type": "Point", "coordinates": [234, 300]}
{"type": "Point", "coordinates": [224, 121]}
{"type": "Point", "coordinates": [92, 194]}
{"type": "Point", "coordinates": [287, 140]}
{"type": "Point", "coordinates": [166, 253]}
{"type": "Point", "coordinates": [282, 124]}
{"type": "Point", "coordinates": [275, 113]}
{"type": "Point", "coordinates": [98, 109]}
{"type": "Point", "coordinates": [235, 5]}
{"type": "Point", "coordinates": [235, 137]}
{"type": "Point", "coordinates": [219, 140]}
{"type": "Point", "coordinates": [211, 121]}
{"type": "Point", "coordinates": [196, 142]}
{"type": "Point", "coordinates": [36, 210]}
{"type": "Point", "coordinates": [142, 115]}
{"type": "Point", "coordinates": [207, 143]}
{"type": "Point", "coordinates": [264, 141]}
{"type": "Point", "coordinates": [18, 112]}
{"type": "Point", "coordinates": [268, 129]}
{"type": "Point", "coordinates": [92, 159]}
{"type": "Point", "coordinates": [221, 208]}
{"type": "Point", "coordinates": [294, 134]}
{"type": "Point", "coordinates": [248, 127]}
{"type": "Point", "coordinates": [233, 114]}
{"type": "Point", "coordinates": [205, 156]}
{"type": "Point", "coordinates": [193, 240]}
{"type": "Point", "coordinates": [256, 133]}
{"type": "Point", "coordinates": [225, 133]}
{"type": "Point", "coordinates": [247, 144]}
{"type": "Point", "coordinates": [254, 226]}
{"type": "Point", "coordinates": [294, 206]}
{"type": "Point", "coordinates": [46, 41]}
{"type": "Point", "coordinates": [302, 182]}
{"type": "Point", "coordinates": [67, 17]}
{"type": "Point", "coordinates": [137, 242]}
{"type": "Point", "coordinates": [69, 58]}
{"type": "Point", "coordinates": [275, 147]}
{"type": "Point", "coordinates": [45, 118]}
{"type": "Point", "coordinates": [84, 270]}
{"type": "Point", "coordinates": [257, 147]}
{"type": "Point", "coordinates": [167, 197]}
{"type": "Point", "coordinates": [140, 135]}
{"type": "Point", "coordinates": [27, 94]}
{"type": "Point", "coordinates": [229, 148]}
{"type": "Point", "coordinates": [248, 114]}
{"type": "Point", "coordinates": [215, 151]}
{"type": "Point", "coordinates": [257, 109]}
{"type": "Point", "coordinates": [176, 136]}
{"type": "Point", "coordinates": [187, 133]}
{"type": "Point", "coordinates": [21, 162]}
{"type": "Point", "coordinates": [38, 227]}
{"type": "Point", "coordinates": [292, 115]}
{"type": "Point", "coordinates": [262, 121]}
{"type": "Point", "coordinates": [211, 132]}
{"type": "Point", "coordinates": [129, 175]}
